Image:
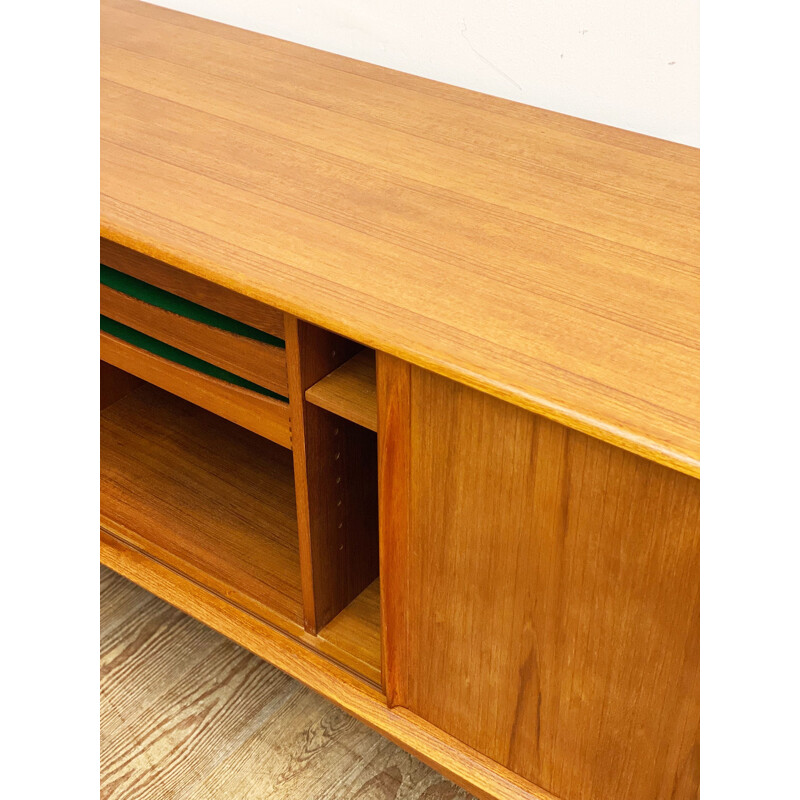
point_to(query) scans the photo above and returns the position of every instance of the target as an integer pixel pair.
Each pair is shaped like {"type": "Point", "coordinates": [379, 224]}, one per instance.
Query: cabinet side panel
{"type": "Point", "coordinates": [550, 589]}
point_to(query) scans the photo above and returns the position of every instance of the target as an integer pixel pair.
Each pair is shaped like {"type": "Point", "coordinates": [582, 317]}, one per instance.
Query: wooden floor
{"type": "Point", "coordinates": [186, 714]}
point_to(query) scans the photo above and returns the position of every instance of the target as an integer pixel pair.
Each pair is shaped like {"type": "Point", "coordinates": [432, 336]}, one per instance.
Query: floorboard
{"type": "Point", "coordinates": [186, 714]}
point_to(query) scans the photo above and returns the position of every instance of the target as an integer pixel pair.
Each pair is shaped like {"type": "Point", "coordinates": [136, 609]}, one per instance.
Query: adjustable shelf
{"type": "Point", "coordinates": [341, 421]}
{"type": "Point", "coordinates": [353, 636]}
{"type": "Point", "coordinates": [349, 391]}
{"type": "Point", "coordinates": [341, 416]}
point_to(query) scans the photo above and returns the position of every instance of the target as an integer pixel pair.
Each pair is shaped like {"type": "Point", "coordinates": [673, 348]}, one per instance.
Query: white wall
{"type": "Point", "coordinates": [629, 63]}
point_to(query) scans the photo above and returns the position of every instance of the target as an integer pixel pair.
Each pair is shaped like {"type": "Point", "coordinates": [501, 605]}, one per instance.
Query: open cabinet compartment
{"type": "Point", "coordinates": [152, 326]}
{"type": "Point", "coordinates": [217, 504]}
{"type": "Point", "coordinates": [204, 496]}
{"type": "Point", "coordinates": [262, 498]}
{"type": "Point", "coordinates": [216, 463]}
{"type": "Point", "coordinates": [344, 539]}
{"type": "Point", "coordinates": [337, 492]}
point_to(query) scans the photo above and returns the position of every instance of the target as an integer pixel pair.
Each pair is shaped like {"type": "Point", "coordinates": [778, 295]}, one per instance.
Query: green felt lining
{"type": "Point", "coordinates": [159, 348]}
{"type": "Point", "coordinates": [147, 293]}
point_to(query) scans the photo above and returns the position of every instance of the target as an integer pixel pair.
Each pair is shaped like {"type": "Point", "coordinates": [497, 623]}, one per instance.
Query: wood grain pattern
{"type": "Point", "coordinates": [255, 412]}
{"type": "Point", "coordinates": [343, 503]}
{"type": "Point", "coordinates": [336, 478]}
{"type": "Point", "coordinates": [256, 361]}
{"type": "Point", "coordinates": [238, 536]}
{"type": "Point", "coordinates": [356, 630]}
{"type": "Point", "coordinates": [115, 384]}
{"type": "Point", "coordinates": [122, 598]}
{"type": "Point", "coordinates": [349, 391]}
{"type": "Point", "coordinates": [204, 496]}
{"type": "Point", "coordinates": [190, 287]}
{"type": "Point", "coordinates": [393, 381]}
{"type": "Point", "coordinates": [481, 776]}
{"type": "Point", "coordinates": [168, 646]}
{"type": "Point", "coordinates": [185, 713]}
{"type": "Point", "coordinates": [548, 261]}
{"type": "Point", "coordinates": [550, 594]}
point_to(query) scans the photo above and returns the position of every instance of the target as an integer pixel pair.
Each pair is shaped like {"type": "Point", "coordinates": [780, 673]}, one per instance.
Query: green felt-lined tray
{"type": "Point", "coordinates": [147, 293]}
{"type": "Point", "coordinates": [159, 348]}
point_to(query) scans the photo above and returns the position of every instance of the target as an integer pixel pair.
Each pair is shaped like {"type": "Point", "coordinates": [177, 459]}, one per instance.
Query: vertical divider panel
{"type": "Point", "coordinates": [393, 379]}
{"type": "Point", "coordinates": [333, 462]}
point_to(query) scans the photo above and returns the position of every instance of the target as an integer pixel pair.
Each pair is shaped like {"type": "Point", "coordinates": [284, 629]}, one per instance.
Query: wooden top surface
{"type": "Point", "coordinates": [546, 260]}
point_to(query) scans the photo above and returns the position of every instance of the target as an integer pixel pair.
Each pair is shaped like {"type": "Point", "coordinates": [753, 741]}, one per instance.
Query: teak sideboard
{"type": "Point", "coordinates": [399, 390]}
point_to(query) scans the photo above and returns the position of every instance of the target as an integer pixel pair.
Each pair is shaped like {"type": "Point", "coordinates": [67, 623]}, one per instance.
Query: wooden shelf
{"type": "Point", "coordinates": [353, 636]}
{"type": "Point", "coordinates": [529, 283]}
{"type": "Point", "coordinates": [206, 497]}
{"type": "Point", "coordinates": [349, 391]}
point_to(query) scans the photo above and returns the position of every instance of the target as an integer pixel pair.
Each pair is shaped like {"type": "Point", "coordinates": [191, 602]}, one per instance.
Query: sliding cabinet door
{"type": "Point", "coordinates": [540, 591]}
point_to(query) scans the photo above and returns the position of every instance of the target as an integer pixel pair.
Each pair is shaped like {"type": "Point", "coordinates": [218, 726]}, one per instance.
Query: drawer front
{"type": "Point", "coordinates": [198, 290]}
{"type": "Point", "coordinates": [256, 361]}
{"type": "Point", "coordinates": [219, 350]}
{"type": "Point", "coordinates": [194, 316]}
{"type": "Point", "coordinates": [256, 412]}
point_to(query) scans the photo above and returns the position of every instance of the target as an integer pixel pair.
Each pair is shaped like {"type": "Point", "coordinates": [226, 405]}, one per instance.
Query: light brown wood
{"type": "Point", "coordinates": [349, 391]}
{"type": "Point", "coordinates": [343, 502]}
{"type": "Point", "coordinates": [548, 586]}
{"type": "Point", "coordinates": [215, 502]}
{"type": "Point", "coordinates": [356, 631]}
{"type": "Point", "coordinates": [393, 381]}
{"type": "Point", "coordinates": [548, 261]}
{"type": "Point", "coordinates": [256, 412]}
{"type": "Point", "coordinates": [186, 713]}
{"type": "Point", "coordinates": [479, 775]}
{"type": "Point", "coordinates": [310, 354]}
{"type": "Point", "coordinates": [539, 552]}
{"type": "Point", "coordinates": [208, 498]}
{"type": "Point", "coordinates": [255, 361]}
{"type": "Point", "coordinates": [336, 478]}
{"type": "Point", "coordinates": [115, 384]}
{"type": "Point", "coordinates": [205, 293]}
